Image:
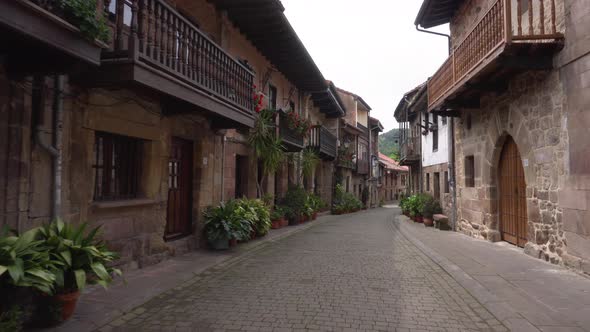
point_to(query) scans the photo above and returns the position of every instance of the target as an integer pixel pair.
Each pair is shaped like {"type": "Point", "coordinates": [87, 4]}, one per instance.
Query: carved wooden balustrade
{"type": "Point", "coordinates": [410, 149]}
{"type": "Point", "coordinates": [323, 141]}
{"type": "Point", "coordinates": [153, 33]}
{"type": "Point", "coordinates": [506, 22]}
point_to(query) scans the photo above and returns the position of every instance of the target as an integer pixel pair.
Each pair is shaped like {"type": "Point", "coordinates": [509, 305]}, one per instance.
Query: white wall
{"type": "Point", "coordinates": [441, 155]}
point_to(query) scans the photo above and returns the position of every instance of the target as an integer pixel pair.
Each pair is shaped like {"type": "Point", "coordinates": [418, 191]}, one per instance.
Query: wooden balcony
{"type": "Point", "coordinates": [361, 127]}
{"type": "Point", "coordinates": [155, 46]}
{"type": "Point", "coordinates": [292, 140]}
{"type": "Point", "coordinates": [31, 30]}
{"type": "Point", "coordinates": [410, 151]}
{"type": "Point", "coordinates": [506, 40]}
{"type": "Point", "coordinates": [323, 142]}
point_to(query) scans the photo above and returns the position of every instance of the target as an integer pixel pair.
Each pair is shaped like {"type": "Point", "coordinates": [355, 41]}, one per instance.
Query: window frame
{"type": "Point", "coordinates": [121, 157]}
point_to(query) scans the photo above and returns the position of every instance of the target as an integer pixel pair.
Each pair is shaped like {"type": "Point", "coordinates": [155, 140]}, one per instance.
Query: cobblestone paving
{"type": "Point", "coordinates": [354, 272]}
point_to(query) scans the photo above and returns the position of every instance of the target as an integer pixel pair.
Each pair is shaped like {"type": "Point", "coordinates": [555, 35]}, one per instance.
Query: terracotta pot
{"type": "Point", "coordinates": [305, 218]}
{"type": "Point", "coordinates": [428, 222]}
{"type": "Point", "coordinates": [284, 222]}
{"type": "Point", "coordinates": [233, 242]}
{"type": "Point", "coordinates": [419, 219]}
{"type": "Point", "coordinates": [314, 216]}
{"type": "Point", "coordinates": [68, 304]}
{"type": "Point", "coordinates": [275, 224]}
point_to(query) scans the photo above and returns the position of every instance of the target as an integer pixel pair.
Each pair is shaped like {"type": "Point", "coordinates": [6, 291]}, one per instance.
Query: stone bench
{"type": "Point", "coordinates": [441, 222]}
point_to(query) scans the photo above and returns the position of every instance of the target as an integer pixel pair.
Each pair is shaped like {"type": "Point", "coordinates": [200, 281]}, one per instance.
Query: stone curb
{"type": "Point", "coordinates": [502, 310]}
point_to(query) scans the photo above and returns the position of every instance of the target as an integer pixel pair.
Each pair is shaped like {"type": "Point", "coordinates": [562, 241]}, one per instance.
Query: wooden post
{"type": "Point", "coordinates": [508, 21]}
{"type": "Point", "coordinates": [133, 38]}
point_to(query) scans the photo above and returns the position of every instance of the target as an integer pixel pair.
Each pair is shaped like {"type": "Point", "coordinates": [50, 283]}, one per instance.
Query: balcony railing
{"type": "Point", "coordinates": [154, 34]}
{"type": "Point", "coordinates": [504, 23]}
{"type": "Point", "coordinates": [292, 140]}
{"type": "Point", "coordinates": [323, 141]}
{"type": "Point", "coordinates": [410, 149]}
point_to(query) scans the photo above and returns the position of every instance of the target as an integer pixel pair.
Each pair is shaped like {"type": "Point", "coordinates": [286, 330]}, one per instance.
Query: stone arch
{"type": "Point", "coordinates": [521, 138]}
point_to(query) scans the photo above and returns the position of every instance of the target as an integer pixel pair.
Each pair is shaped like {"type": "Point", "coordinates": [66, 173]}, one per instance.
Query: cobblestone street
{"type": "Point", "coordinates": [354, 272]}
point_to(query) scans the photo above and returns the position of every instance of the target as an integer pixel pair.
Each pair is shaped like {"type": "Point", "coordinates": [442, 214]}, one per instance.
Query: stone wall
{"type": "Point", "coordinates": [531, 112]}
{"type": "Point", "coordinates": [444, 198]}
{"type": "Point", "coordinates": [574, 199]}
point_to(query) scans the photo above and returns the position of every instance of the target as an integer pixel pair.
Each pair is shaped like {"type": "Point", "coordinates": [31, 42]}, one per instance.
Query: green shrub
{"type": "Point", "coordinates": [277, 213]}
{"type": "Point", "coordinates": [431, 207]}
{"type": "Point", "coordinates": [79, 257]}
{"type": "Point", "coordinates": [296, 202]}
{"type": "Point", "coordinates": [344, 202]}
{"type": "Point", "coordinates": [82, 13]}
{"type": "Point", "coordinates": [257, 213]}
{"type": "Point", "coordinates": [25, 262]}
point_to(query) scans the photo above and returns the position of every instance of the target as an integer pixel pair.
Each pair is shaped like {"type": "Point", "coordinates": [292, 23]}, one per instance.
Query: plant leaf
{"type": "Point", "coordinates": [80, 279]}
{"type": "Point", "coordinates": [67, 256]}
{"type": "Point", "coordinates": [100, 271]}
{"type": "Point", "coordinates": [16, 271]}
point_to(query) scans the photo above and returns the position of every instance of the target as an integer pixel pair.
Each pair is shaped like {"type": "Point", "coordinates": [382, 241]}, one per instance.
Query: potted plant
{"type": "Point", "coordinates": [276, 217]}
{"type": "Point", "coordinates": [430, 208]}
{"type": "Point", "coordinates": [219, 225]}
{"type": "Point", "coordinates": [284, 220]}
{"type": "Point", "coordinates": [295, 200]}
{"type": "Point", "coordinates": [80, 259]}
{"type": "Point", "coordinates": [26, 269]}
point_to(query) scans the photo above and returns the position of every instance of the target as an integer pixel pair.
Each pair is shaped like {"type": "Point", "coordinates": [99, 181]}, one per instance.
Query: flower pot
{"type": "Point", "coordinates": [275, 224]}
{"type": "Point", "coordinates": [67, 302]}
{"type": "Point", "coordinates": [284, 222]}
{"type": "Point", "coordinates": [419, 219]}
{"type": "Point", "coordinates": [252, 235]}
{"type": "Point", "coordinates": [305, 218]}
{"type": "Point", "coordinates": [233, 242]}
{"type": "Point", "coordinates": [314, 216]}
{"type": "Point", "coordinates": [428, 222]}
{"type": "Point", "coordinates": [219, 244]}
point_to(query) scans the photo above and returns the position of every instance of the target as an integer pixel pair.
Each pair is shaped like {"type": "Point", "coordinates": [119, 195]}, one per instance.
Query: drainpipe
{"type": "Point", "coordinates": [223, 139]}
{"type": "Point", "coordinates": [55, 149]}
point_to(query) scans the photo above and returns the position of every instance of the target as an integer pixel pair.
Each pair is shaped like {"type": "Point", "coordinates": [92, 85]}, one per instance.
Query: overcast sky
{"type": "Point", "coordinates": [369, 47]}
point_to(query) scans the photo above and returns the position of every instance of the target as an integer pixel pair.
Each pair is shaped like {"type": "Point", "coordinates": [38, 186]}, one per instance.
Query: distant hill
{"type": "Point", "coordinates": [389, 143]}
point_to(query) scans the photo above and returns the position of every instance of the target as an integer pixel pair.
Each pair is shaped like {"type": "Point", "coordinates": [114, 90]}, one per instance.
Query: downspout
{"type": "Point", "coordinates": [55, 149]}
{"type": "Point", "coordinates": [223, 138]}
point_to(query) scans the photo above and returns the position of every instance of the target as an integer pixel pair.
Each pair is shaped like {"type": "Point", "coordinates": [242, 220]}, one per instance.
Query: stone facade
{"type": "Point", "coordinates": [531, 113]}
{"type": "Point", "coordinates": [443, 195]}
{"type": "Point", "coordinates": [544, 113]}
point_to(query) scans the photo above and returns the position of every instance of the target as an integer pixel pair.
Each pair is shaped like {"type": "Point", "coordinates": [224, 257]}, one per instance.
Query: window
{"type": "Point", "coordinates": [117, 162]}
{"type": "Point", "coordinates": [436, 185]}
{"type": "Point", "coordinates": [272, 97]}
{"type": "Point", "coordinates": [435, 133]}
{"type": "Point", "coordinates": [427, 181]}
{"type": "Point", "coordinates": [469, 171]}
{"type": "Point", "coordinates": [444, 120]}
{"type": "Point", "coordinates": [446, 184]}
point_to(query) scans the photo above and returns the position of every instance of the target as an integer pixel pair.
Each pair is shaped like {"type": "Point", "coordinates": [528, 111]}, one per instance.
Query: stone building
{"type": "Point", "coordinates": [517, 86]}
{"type": "Point", "coordinates": [375, 128]}
{"type": "Point", "coordinates": [140, 133]}
{"type": "Point", "coordinates": [354, 151]}
{"type": "Point", "coordinates": [409, 114]}
{"type": "Point", "coordinates": [393, 179]}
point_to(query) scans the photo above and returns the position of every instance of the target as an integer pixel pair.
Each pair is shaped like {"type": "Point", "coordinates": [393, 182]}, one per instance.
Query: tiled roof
{"type": "Point", "coordinates": [391, 164]}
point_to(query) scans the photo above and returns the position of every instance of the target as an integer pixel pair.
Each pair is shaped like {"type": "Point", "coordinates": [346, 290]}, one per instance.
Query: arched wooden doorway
{"type": "Point", "coordinates": [512, 195]}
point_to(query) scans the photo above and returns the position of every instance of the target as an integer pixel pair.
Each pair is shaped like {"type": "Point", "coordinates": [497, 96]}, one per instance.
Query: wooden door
{"type": "Point", "coordinates": [180, 186]}
{"type": "Point", "coordinates": [512, 194]}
